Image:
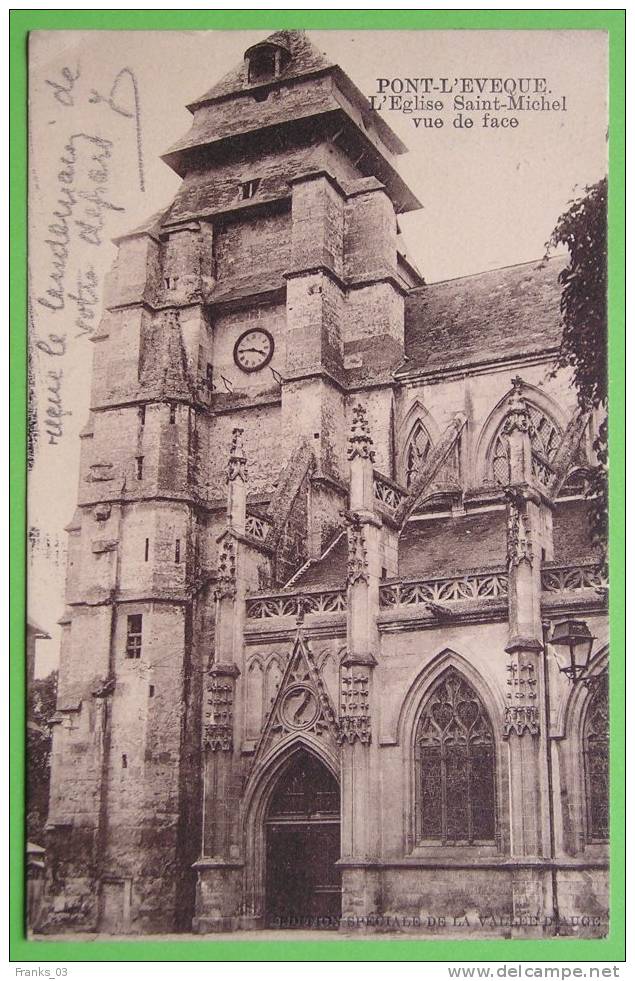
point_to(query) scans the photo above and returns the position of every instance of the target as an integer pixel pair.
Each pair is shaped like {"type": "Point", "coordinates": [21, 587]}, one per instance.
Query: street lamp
{"type": "Point", "coordinates": [572, 642]}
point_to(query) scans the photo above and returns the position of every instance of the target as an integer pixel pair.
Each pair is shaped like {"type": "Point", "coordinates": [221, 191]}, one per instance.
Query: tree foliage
{"type": "Point", "coordinates": [40, 707]}
{"type": "Point", "coordinates": [582, 228]}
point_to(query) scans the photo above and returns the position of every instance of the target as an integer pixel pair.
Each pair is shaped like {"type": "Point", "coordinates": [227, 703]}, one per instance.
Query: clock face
{"type": "Point", "coordinates": [253, 349]}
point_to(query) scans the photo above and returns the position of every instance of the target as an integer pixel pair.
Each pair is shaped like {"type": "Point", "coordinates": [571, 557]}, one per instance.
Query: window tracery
{"type": "Point", "coordinates": [596, 753]}
{"type": "Point", "coordinates": [545, 439]}
{"type": "Point", "coordinates": [417, 451]}
{"type": "Point", "coordinates": [455, 766]}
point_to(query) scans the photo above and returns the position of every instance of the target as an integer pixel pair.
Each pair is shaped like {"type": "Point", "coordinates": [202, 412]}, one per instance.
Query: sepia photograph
{"type": "Point", "coordinates": [317, 567]}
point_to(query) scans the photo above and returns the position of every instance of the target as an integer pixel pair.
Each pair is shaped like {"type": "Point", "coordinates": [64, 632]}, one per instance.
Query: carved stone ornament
{"type": "Point", "coordinates": [102, 512]}
{"type": "Point", "coordinates": [517, 414]}
{"type": "Point", "coordinates": [519, 546]}
{"type": "Point", "coordinates": [360, 439]}
{"type": "Point", "coordinates": [237, 466]}
{"type": "Point", "coordinates": [521, 712]}
{"type": "Point", "coordinates": [218, 713]}
{"type": "Point", "coordinates": [98, 472]}
{"type": "Point", "coordinates": [301, 704]}
{"type": "Point", "coordinates": [226, 580]}
{"type": "Point", "coordinates": [357, 554]}
{"type": "Point", "coordinates": [354, 721]}
{"type": "Point", "coordinates": [521, 719]}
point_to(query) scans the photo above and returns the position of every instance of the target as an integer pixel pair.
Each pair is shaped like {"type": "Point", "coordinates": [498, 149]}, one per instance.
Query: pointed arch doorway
{"type": "Point", "coordinates": [302, 826]}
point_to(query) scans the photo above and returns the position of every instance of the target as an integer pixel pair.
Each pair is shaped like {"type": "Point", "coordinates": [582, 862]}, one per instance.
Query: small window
{"type": "Point", "coordinates": [248, 189]}
{"type": "Point", "coordinates": [142, 415]}
{"type": "Point", "coordinates": [172, 414]}
{"type": "Point", "coordinates": [139, 468]}
{"type": "Point", "coordinates": [133, 639]}
{"type": "Point", "coordinates": [177, 551]}
{"type": "Point", "coordinates": [209, 376]}
{"type": "Point", "coordinates": [147, 549]}
{"type": "Point", "coordinates": [262, 65]}
{"type": "Point", "coordinates": [124, 761]}
{"type": "Point", "coordinates": [151, 691]}
{"type": "Point", "coordinates": [171, 282]}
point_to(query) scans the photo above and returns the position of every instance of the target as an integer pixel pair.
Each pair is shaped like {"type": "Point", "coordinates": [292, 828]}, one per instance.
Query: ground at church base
{"type": "Point", "coordinates": [285, 936]}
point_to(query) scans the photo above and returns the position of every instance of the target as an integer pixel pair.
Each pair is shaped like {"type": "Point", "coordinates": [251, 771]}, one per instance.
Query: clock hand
{"type": "Point", "coordinates": [256, 350]}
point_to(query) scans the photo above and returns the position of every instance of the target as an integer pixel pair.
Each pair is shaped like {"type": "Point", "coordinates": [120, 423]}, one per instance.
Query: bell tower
{"type": "Point", "coordinates": [260, 303]}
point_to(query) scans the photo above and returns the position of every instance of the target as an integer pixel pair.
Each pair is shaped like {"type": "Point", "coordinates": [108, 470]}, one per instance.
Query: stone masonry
{"type": "Point", "coordinates": [316, 552]}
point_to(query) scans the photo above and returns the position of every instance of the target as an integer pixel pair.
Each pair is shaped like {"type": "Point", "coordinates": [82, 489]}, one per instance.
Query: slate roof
{"type": "Point", "coordinates": [426, 548]}
{"type": "Point", "coordinates": [214, 122]}
{"type": "Point", "coordinates": [151, 226]}
{"type": "Point", "coordinates": [571, 532]}
{"type": "Point", "coordinates": [447, 546]}
{"type": "Point", "coordinates": [440, 546]}
{"type": "Point", "coordinates": [305, 58]}
{"type": "Point", "coordinates": [328, 571]}
{"type": "Point", "coordinates": [490, 316]}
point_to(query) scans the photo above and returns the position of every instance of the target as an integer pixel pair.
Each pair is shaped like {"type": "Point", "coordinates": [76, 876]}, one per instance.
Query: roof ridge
{"type": "Point", "coordinates": [485, 272]}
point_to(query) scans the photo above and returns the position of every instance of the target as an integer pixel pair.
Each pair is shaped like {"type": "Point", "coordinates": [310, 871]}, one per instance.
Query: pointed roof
{"type": "Point", "coordinates": [237, 108]}
{"type": "Point", "coordinates": [304, 58]}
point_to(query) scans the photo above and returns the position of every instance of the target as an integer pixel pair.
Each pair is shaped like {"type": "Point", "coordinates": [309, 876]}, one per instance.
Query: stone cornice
{"type": "Point", "coordinates": [315, 628]}
{"type": "Point", "coordinates": [416, 376]}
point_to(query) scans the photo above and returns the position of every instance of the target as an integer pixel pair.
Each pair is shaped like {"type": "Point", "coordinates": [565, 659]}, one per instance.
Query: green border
{"type": "Point", "coordinates": [21, 22]}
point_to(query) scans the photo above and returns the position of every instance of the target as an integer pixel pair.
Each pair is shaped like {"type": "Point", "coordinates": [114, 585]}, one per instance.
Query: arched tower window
{"type": "Point", "coordinates": [545, 440]}
{"type": "Point", "coordinates": [455, 766]}
{"type": "Point", "coordinates": [266, 61]}
{"type": "Point", "coordinates": [417, 451]}
{"type": "Point", "coordinates": [596, 758]}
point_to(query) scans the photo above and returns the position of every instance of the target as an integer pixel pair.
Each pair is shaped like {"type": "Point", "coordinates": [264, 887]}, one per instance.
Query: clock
{"type": "Point", "coordinates": [254, 349]}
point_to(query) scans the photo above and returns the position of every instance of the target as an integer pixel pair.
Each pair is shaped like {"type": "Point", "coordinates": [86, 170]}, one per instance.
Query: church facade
{"type": "Point", "coordinates": [328, 516]}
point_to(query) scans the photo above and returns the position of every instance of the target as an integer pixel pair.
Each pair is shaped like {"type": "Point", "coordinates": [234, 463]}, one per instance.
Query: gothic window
{"type": "Point", "coordinates": [417, 451]}
{"type": "Point", "coordinates": [545, 439]}
{"type": "Point", "coordinates": [596, 753]}
{"type": "Point", "coordinates": [545, 436]}
{"type": "Point", "coordinates": [455, 766]}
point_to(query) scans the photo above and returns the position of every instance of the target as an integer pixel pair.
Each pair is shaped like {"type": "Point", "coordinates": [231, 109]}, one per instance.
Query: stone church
{"type": "Point", "coordinates": [329, 517]}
